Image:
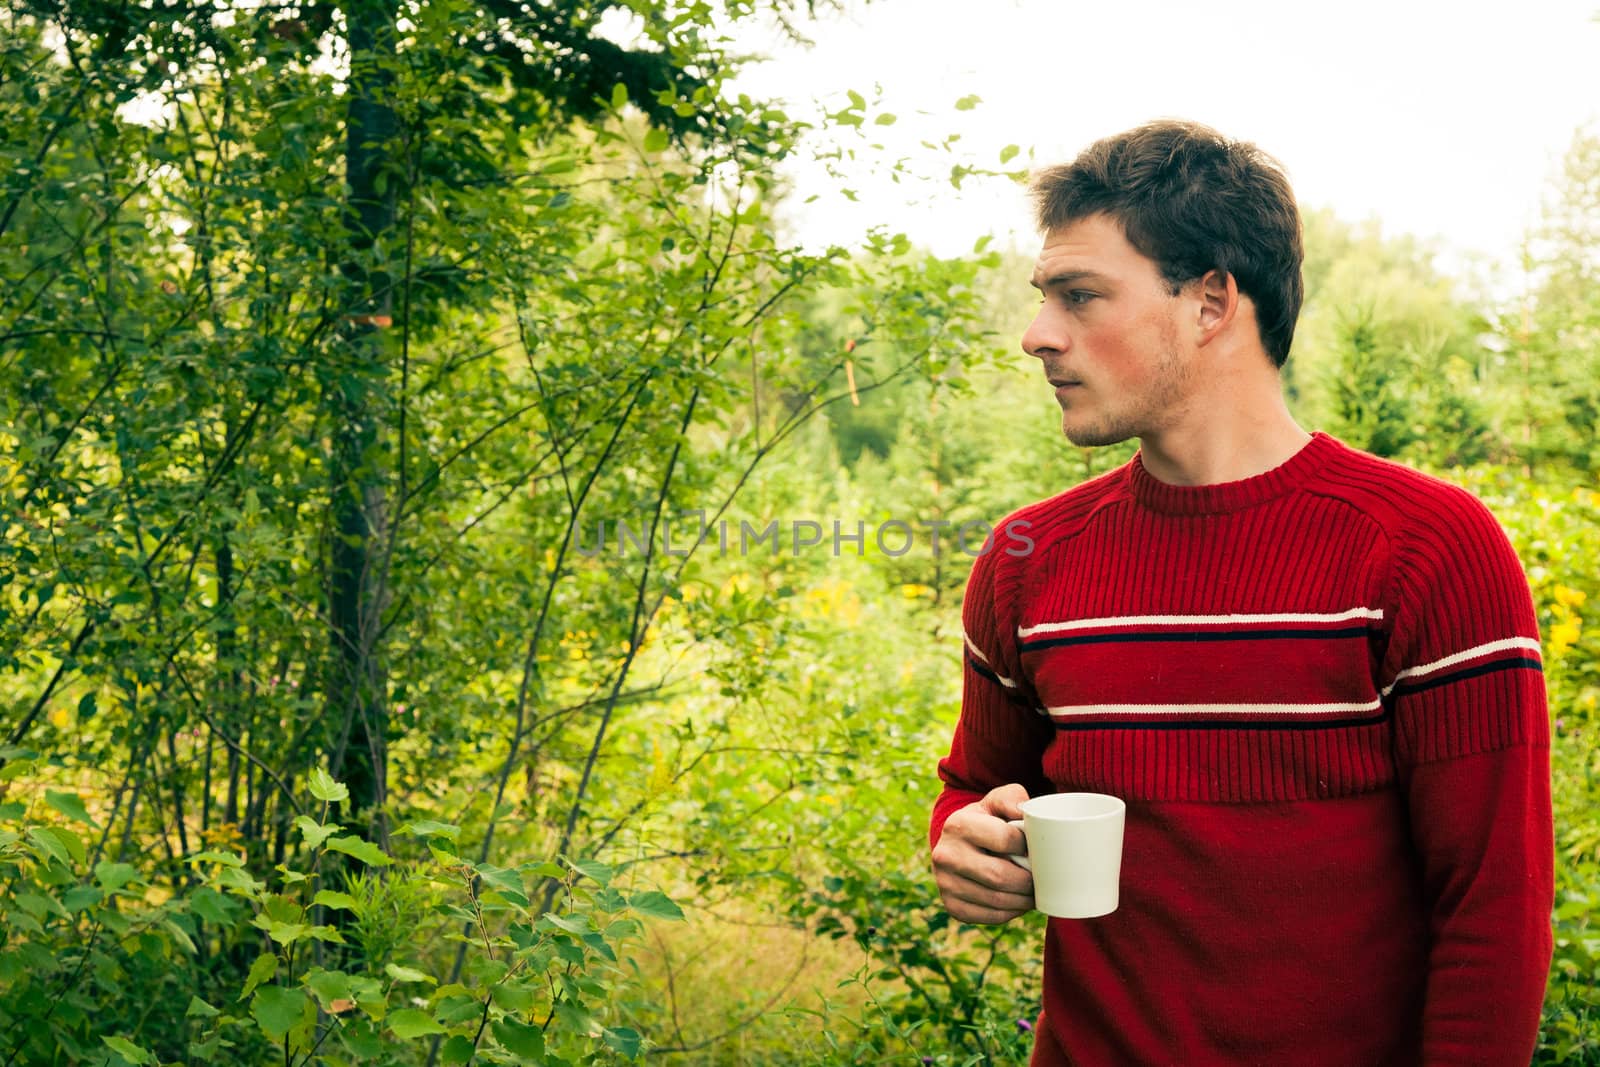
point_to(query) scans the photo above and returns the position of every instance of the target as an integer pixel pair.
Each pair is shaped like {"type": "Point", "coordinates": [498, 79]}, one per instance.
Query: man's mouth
{"type": "Point", "coordinates": [1063, 383]}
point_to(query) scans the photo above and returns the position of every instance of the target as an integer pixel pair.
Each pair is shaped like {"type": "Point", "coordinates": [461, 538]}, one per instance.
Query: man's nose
{"type": "Point", "coordinates": [1043, 336]}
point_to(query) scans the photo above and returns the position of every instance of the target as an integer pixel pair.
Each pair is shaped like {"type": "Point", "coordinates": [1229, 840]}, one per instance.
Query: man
{"type": "Point", "coordinates": [1313, 675]}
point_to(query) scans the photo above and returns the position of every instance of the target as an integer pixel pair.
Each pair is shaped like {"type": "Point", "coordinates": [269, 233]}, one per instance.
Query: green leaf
{"type": "Point", "coordinates": [574, 925]}
{"type": "Point", "coordinates": [655, 141]}
{"type": "Point", "coordinates": [407, 974]}
{"type": "Point", "coordinates": [430, 828]}
{"type": "Point", "coordinates": [211, 905]}
{"type": "Point", "coordinates": [504, 879]}
{"type": "Point", "coordinates": [330, 899]}
{"type": "Point", "coordinates": [443, 858]}
{"type": "Point", "coordinates": [625, 1040]}
{"type": "Point", "coordinates": [619, 96]}
{"type": "Point", "coordinates": [277, 1009]}
{"type": "Point", "coordinates": [594, 869]}
{"type": "Point", "coordinates": [967, 103]}
{"type": "Point", "coordinates": [58, 843]}
{"type": "Point", "coordinates": [365, 851]}
{"type": "Point", "coordinates": [199, 1009]}
{"type": "Point", "coordinates": [179, 935]}
{"type": "Point", "coordinates": [281, 932]}
{"type": "Point", "coordinates": [227, 859]}
{"type": "Point", "coordinates": [70, 805]}
{"type": "Point", "coordinates": [521, 1040]}
{"type": "Point", "coordinates": [885, 119]}
{"type": "Point", "coordinates": [329, 985]}
{"type": "Point", "coordinates": [128, 1050]}
{"type": "Point", "coordinates": [265, 966]}
{"type": "Point", "coordinates": [656, 905]}
{"type": "Point", "coordinates": [514, 997]}
{"type": "Point", "coordinates": [323, 786]}
{"type": "Point", "coordinates": [314, 832]}
{"type": "Point", "coordinates": [457, 1050]}
{"type": "Point", "coordinates": [81, 896]}
{"type": "Point", "coordinates": [71, 842]}
{"type": "Point", "coordinates": [1009, 152]}
{"type": "Point", "coordinates": [234, 878]}
{"type": "Point", "coordinates": [408, 1023]}
{"type": "Point", "coordinates": [113, 876]}
{"type": "Point", "coordinates": [13, 809]}
{"type": "Point", "coordinates": [573, 1017]}
{"type": "Point", "coordinates": [39, 906]}
{"type": "Point", "coordinates": [857, 101]}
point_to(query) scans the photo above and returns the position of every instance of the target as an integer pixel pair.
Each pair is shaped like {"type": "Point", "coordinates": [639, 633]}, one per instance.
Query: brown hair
{"type": "Point", "coordinates": [1192, 201]}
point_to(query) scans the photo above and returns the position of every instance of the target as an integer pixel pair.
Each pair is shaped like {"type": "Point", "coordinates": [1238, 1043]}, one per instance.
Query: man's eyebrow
{"type": "Point", "coordinates": [1067, 277]}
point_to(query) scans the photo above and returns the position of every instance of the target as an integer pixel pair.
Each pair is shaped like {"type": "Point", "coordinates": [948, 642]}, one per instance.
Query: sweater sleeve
{"type": "Point", "coordinates": [1472, 742]}
{"type": "Point", "coordinates": [1001, 735]}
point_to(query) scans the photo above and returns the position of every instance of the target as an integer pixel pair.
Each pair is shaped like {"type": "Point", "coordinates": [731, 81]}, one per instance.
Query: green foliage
{"type": "Point", "coordinates": [949, 994]}
{"type": "Point", "coordinates": [1388, 356]}
{"type": "Point", "coordinates": [307, 409]}
{"type": "Point", "coordinates": [1551, 529]}
{"type": "Point", "coordinates": [311, 993]}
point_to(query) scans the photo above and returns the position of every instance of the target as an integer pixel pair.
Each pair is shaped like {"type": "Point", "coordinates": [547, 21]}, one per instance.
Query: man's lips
{"type": "Point", "coordinates": [1063, 383]}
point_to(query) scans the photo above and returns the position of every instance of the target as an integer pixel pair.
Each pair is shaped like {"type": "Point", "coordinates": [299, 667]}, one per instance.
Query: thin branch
{"type": "Point", "coordinates": [635, 639]}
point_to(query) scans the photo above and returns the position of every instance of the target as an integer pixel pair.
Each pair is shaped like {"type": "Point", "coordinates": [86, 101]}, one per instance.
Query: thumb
{"type": "Point", "coordinates": [1006, 801]}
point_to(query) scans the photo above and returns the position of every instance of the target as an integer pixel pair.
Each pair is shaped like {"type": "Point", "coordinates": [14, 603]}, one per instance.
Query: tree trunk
{"type": "Point", "coordinates": [358, 393]}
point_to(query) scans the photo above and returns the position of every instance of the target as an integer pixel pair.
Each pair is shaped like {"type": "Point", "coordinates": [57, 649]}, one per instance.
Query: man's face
{"type": "Point", "coordinates": [1107, 334]}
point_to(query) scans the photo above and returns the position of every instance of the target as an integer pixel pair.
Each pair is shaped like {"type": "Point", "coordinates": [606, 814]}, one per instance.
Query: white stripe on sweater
{"type": "Point", "coordinates": [1374, 614]}
{"type": "Point", "coordinates": [1211, 709]}
{"type": "Point", "coordinates": [1502, 645]}
{"type": "Point", "coordinates": [977, 654]}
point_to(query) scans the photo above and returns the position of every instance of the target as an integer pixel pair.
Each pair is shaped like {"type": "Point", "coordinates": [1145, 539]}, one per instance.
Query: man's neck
{"type": "Point", "coordinates": [1238, 437]}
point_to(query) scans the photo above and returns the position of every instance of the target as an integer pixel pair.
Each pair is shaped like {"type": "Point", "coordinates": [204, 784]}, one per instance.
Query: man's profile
{"type": "Point", "coordinates": [1312, 675]}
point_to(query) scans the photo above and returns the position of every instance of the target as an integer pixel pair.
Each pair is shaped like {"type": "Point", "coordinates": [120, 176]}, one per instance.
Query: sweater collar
{"type": "Point", "coordinates": [1156, 495]}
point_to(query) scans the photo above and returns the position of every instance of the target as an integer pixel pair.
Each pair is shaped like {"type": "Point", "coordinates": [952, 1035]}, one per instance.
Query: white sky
{"type": "Point", "coordinates": [1445, 120]}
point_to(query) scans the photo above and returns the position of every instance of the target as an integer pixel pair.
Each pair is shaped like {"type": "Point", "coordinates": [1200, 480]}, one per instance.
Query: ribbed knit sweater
{"type": "Point", "coordinates": [1319, 691]}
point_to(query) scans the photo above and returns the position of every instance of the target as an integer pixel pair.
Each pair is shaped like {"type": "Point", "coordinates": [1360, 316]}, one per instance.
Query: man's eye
{"type": "Point", "coordinates": [1079, 296]}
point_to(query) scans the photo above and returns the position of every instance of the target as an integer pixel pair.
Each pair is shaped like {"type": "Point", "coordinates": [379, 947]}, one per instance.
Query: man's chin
{"type": "Point", "coordinates": [1094, 436]}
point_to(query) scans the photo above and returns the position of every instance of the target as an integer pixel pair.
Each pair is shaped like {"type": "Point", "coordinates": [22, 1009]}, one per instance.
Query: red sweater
{"type": "Point", "coordinates": [1319, 692]}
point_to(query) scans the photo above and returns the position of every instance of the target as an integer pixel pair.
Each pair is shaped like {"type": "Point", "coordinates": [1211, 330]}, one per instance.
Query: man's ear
{"type": "Point", "coordinates": [1218, 294]}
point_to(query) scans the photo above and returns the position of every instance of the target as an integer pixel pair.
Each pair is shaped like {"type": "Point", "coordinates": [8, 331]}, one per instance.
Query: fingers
{"type": "Point", "coordinates": [977, 883]}
{"type": "Point", "coordinates": [981, 826]}
{"type": "Point", "coordinates": [1005, 802]}
{"type": "Point", "coordinates": [983, 916]}
{"type": "Point", "coordinates": [973, 902]}
{"type": "Point", "coordinates": [993, 879]}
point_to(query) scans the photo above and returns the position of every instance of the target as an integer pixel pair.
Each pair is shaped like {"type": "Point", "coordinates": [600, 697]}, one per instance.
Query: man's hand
{"type": "Point", "coordinates": [976, 881]}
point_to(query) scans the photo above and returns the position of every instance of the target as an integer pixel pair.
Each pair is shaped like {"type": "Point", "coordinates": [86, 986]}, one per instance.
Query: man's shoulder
{"type": "Point", "coordinates": [1409, 505]}
{"type": "Point", "coordinates": [1072, 507]}
{"type": "Point", "coordinates": [1025, 532]}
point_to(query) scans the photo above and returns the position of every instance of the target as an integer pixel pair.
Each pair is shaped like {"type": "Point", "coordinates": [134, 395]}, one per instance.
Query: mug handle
{"type": "Point", "coordinates": [1020, 859]}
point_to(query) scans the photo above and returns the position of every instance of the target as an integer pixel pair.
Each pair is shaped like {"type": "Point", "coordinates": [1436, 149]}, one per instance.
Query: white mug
{"type": "Point", "coordinates": [1074, 852]}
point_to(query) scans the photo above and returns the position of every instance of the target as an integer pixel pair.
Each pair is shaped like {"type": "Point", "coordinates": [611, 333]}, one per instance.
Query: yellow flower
{"type": "Point", "coordinates": [1568, 597]}
{"type": "Point", "coordinates": [1564, 634]}
{"type": "Point", "coordinates": [836, 599]}
{"type": "Point", "coordinates": [224, 836]}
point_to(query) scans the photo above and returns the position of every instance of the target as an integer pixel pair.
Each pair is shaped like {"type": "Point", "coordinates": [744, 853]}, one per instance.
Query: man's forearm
{"type": "Point", "coordinates": [1483, 830]}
